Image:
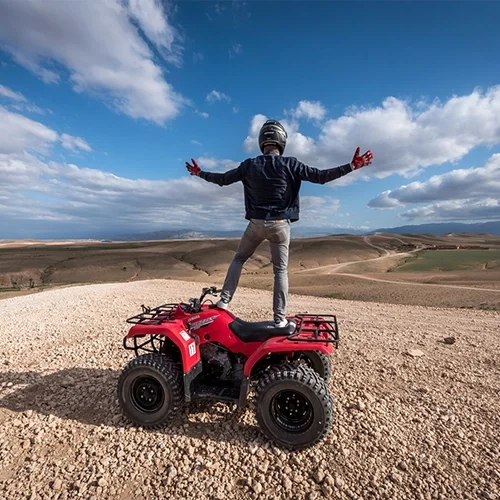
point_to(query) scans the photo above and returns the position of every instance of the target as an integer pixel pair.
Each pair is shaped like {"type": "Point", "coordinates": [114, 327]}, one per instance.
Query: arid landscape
{"type": "Point", "coordinates": [415, 380]}
{"type": "Point", "coordinates": [460, 270]}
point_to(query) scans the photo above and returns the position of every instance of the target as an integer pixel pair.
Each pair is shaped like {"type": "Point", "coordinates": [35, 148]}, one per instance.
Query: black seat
{"type": "Point", "coordinates": [258, 332]}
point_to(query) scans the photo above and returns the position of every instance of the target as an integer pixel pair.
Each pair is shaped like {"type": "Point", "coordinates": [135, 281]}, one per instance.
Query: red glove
{"type": "Point", "coordinates": [359, 161]}
{"type": "Point", "coordinates": [193, 169]}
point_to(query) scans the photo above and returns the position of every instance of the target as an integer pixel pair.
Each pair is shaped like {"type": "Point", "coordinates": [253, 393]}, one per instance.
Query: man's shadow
{"type": "Point", "coordinates": [89, 396]}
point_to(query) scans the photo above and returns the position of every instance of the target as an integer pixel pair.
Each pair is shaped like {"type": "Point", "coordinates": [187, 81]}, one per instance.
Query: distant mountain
{"type": "Point", "coordinates": [177, 234]}
{"type": "Point", "coordinates": [436, 229]}
{"type": "Point", "coordinates": [180, 234]}
{"type": "Point", "coordinates": [442, 228]}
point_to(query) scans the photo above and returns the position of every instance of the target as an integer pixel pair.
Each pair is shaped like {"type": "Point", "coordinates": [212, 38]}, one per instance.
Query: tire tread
{"type": "Point", "coordinates": [172, 376]}
{"type": "Point", "coordinates": [308, 377]}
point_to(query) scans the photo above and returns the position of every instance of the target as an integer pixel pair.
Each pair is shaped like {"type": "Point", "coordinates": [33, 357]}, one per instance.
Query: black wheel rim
{"type": "Point", "coordinates": [148, 395]}
{"type": "Point", "coordinates": [292, 411]}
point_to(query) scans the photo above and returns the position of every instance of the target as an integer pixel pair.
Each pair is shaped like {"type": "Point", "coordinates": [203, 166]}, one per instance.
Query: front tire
{"type": "Point", "coordinates": [293, 406]}
{"type": "Point", "coordinates": [150, 390]}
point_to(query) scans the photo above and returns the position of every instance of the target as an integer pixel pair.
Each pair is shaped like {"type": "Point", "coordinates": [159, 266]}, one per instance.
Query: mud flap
{"type": "Point", "coordinates": [243, 392]}
{"type": "Point", "coordinates": [188, 378]}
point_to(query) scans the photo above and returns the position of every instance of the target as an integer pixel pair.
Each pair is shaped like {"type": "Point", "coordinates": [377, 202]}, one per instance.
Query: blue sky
{"type": "Point", "coordinates": [102, 102]}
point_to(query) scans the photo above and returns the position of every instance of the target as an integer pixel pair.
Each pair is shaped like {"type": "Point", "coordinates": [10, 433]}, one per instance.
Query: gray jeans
{"type": "Point", "coordinates": [278, 235]}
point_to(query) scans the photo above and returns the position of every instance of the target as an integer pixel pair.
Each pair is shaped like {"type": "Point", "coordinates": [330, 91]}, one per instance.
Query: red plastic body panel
{"type": "Point", "coordinates": [281, 344]}
{"type": "Point", "coordinates": [177, 332]}
{"type": "Point", "coordinates": [212, 325]}
{"type": "Point", "coordinates": [218, 331]}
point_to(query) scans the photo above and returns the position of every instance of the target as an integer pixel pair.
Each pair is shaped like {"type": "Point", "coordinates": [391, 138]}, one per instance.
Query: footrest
{"type": "Point", "coordinates": [202, 391]}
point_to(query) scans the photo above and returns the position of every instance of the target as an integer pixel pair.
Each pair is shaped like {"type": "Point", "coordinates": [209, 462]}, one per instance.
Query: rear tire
{"type": "Point", "coordinates": [150, 390]}
{"type": "Point", "coordinates": [293, 406]}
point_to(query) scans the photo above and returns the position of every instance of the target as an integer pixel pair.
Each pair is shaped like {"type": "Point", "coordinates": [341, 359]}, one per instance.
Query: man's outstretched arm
{"type": "Point", "coordinates": [318, 176]}
{"type": "Point", "coordinates": [225, 179]}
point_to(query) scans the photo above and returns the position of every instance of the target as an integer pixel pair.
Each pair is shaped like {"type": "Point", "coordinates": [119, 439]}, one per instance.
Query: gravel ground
{"type": "Point", "coordinates": [416, 417]}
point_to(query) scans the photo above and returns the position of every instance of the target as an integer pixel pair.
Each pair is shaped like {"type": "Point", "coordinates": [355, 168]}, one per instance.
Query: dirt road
{"type": "Point", "coordinates": [336, 268]}
{"type": "Point", "coordinates": [414, 283]}
{"type": "Point", "coordinates": [385, 253]}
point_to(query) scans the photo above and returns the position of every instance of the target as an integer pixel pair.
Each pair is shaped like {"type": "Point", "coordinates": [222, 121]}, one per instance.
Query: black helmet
{"type": "Point", "coordinates": [272, 133]}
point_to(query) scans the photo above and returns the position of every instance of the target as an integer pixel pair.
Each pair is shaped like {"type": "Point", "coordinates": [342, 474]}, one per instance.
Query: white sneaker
{"type": "Point", "coordinates": [223, 303]}
{"type": "Point", "coordinates": [281, 324]}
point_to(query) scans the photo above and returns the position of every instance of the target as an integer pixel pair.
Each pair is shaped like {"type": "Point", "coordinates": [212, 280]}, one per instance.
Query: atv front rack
{"type": "Point", "coordinates": [316, 328]}
{"type": "Point", "coordinates": [154, 344]}
{"type": "Point", "coordinates": [154, 316]}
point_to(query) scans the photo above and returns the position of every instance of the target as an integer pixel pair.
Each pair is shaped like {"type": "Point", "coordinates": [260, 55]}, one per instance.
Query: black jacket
{"type": "Point", "coordinates": [272, 183]}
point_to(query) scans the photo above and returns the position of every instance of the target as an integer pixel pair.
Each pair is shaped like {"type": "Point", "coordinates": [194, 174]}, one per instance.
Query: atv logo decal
{"type": "Point", "coordinates": [185, 335]}
{"type": "Point", "coordinates": [203, 322]}
{"type": "Point", "coordinates": [192, 349]}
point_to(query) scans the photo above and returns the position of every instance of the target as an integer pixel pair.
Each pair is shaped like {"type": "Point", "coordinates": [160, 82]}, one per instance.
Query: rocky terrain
{"type": "Point", "coordinates": [418, 416]}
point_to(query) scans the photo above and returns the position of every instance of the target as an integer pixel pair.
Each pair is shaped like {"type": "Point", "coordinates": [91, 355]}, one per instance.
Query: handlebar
{"type": "Point", "coordinates": [210, 291]}
{"type": "Point", "coordinates": [196, 303]}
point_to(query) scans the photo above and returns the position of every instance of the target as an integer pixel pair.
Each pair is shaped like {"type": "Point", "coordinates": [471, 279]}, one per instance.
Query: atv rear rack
{"type": "Point", "coordinates": [313, 327]}
{"type": "Point", "coordinates": [154, 316]}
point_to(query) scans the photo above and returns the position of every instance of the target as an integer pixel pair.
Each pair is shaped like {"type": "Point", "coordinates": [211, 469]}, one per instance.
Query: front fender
{"type": "Point", "coordinates": [285, 346]}
{"type": "Point", "coordinates": [176, 332]}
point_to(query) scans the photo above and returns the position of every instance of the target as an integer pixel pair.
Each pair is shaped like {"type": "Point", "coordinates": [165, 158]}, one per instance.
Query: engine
{"type": "Point", "coordinates": [219, 362]}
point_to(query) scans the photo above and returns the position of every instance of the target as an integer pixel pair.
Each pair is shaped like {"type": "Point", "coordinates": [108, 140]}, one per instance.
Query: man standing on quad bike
{"type": "Point", "coordinates": [271, 184]}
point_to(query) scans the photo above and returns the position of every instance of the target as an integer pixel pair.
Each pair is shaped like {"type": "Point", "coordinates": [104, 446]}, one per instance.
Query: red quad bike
{"type": "Point", "coordinates": [191, 351]}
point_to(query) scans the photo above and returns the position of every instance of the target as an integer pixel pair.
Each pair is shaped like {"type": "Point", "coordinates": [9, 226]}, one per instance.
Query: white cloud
{"type": "Point", "coordinates": [385, 200]}
{"type": "Point", "coordinates": [94, 199]}
{"type": "Point", "coordinates": [20, 101]}
{"type": "Point", "coordinates": [458, 184]}
{"type": "Point", "coordinates": [459, 210]}
{"type": "Point", "coordinates": [312, 110]}
{"type": "Point", "coordinates": [235, 50]}
{"type": "Point", "coordinates": [29, 108]}
{"type": "Point", "coordinates": [65, 196]}
{"type": "Point", "coordinates": [35, 189]}
{"type": "Point", "coordinates": [198, 56]}
{"type": "Point", "coordinates": [403, 139]}
{"type": "Point", "coordinates": [215, 96]}
{"type": "Point", "coordinates": [208, 163]}
{"type": "Point", "coordinates": [101, 49]}
{"type": "Point", "coordinates": [197, 143]}
{"type": "Point", "coordinates": [203, 114]}
{"type": "Point", "coordinates": [461, 194]}
{"type": "Point", "coordinates": [464, 183]}
{"type": "Point", "coordinates": [153, 20]}
{"type": "Point", "coordinates": [90, 200]}
{"type": "Point", "coordinates": [74, 143]}
{"type": "Point", "coordinates": [236, 110]}
{"type": "Point", "coordinates": [215, 164]}
{"type": "Point", "coordinates": [11, 94]}
{"type": "Point", "coordinates": [323, 212]}
{"type": "Point", "coordinates": [19, 134]}
{"type": "Point", "coordinates": [314, 203]}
